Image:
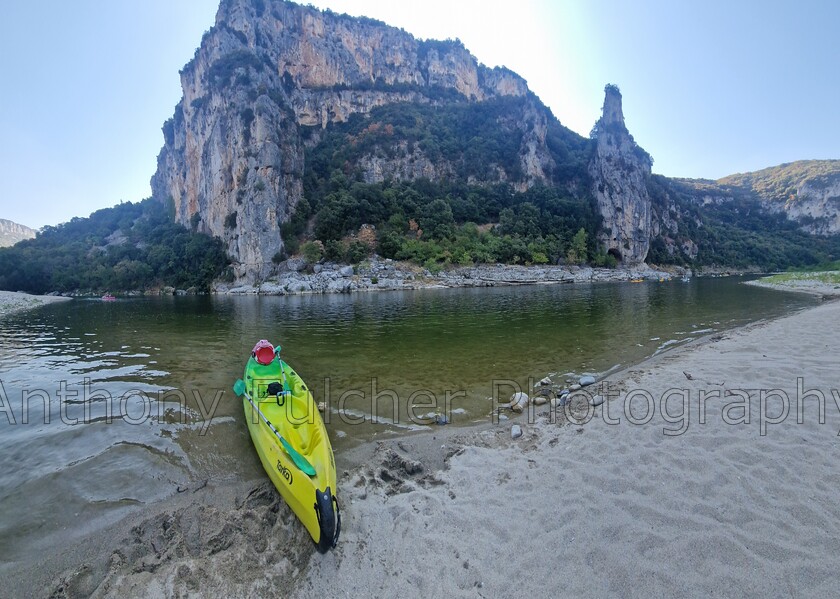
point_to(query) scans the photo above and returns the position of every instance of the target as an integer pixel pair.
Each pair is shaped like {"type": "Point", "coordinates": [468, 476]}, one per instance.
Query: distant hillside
{"type": "Point", "coordinates": [701, 223]}
{"type": "Point", "coordinates": [132, 246]}
{"type": "Point", "coordinates": [808, 191]}
{"type": "Point", "coordinates": [11, 232]}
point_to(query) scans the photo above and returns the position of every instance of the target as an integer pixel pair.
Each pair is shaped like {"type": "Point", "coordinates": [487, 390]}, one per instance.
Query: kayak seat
{"type": "Point", "coordinates": [304, 438]}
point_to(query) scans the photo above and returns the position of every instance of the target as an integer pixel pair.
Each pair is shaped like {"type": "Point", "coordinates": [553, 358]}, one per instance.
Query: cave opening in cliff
{"type": "Point", "coordinates": [614, 253]}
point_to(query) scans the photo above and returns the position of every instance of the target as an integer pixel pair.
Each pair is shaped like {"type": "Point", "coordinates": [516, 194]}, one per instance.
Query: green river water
{"type": "Point", "coordinates": [73, 477]}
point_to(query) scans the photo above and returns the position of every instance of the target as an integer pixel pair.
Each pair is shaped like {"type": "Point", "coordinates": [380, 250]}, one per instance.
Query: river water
{"type": "Point", "coordinates": [130, 400]}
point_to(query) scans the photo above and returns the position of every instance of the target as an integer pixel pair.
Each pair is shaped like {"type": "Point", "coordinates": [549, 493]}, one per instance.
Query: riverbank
{"type": "Point", "coordinates": [825, 284]}
{"type": "Point", "coordinates": [582, 509]}
{"type": "Point", "coordinates": [12, 302]}
{"type": "Point", "coordinates": [387, 275]}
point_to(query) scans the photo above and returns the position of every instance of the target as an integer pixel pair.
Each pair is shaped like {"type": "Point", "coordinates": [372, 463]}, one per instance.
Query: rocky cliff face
{"type": "Point", "coordinates": [12, 232]}
{"type": "Point", "coordinates": [233, 158]}
{"type": "Point", "coordinates": [806, 192]}
{"type": "Point", "coordinates": [814, 205]}
{"type": "Point", "coordinates": [620, 170]}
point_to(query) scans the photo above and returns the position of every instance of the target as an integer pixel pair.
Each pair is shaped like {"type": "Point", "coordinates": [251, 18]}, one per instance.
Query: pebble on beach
{"type": "Point", "coordinates": [515, 431]}
{"type": "Point", "coordinates": [596, 400]}
{"type": "Point", "coordinates": [558, 402]}
{"type": "Point", "coordinates": [586, 380]}
{"type": "Point", "coordinates": [518, 401]}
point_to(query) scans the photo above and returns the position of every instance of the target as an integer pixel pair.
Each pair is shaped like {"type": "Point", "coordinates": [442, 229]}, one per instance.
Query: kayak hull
{"type": "Point", "coordinates": [296, 418]}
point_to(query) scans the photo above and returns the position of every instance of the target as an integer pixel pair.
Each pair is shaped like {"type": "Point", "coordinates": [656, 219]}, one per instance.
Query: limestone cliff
{"type": "Point", "coordinates": [620, 170]}
{"type": "Point", "coordinates": [816, 207]}
{"type": "Point", "coordinates": [233, 159]}
{"type": "Point", "coordinates": [12, 232]}
{"type": "Point", "coordinates": [806, 191]}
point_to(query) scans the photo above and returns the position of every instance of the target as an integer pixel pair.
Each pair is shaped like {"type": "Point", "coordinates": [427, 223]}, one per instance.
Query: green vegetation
{"type": "Point", "coordinates": [437, 223]}
{"type": "Point", "coordinates": [733, 230]}
{"type": "Point", "coordinates": [477, 139]}
{"type": "Point", "coordinates": [127, 247]}
{"type": "Point", "coordinates": [779, 183]}
{"type": "Point", "coordinates": [312, 251]}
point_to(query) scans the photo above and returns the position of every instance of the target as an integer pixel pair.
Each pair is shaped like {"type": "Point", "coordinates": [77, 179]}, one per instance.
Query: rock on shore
{"type": "Point", "coordinates": [382, 275]}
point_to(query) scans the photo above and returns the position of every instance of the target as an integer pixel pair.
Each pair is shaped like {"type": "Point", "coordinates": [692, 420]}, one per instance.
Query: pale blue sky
{"type": "Point", "coordinates": [710, 87]}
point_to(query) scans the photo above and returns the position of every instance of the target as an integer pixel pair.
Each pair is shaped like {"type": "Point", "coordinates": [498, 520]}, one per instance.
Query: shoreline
{"type": "Point", "coordinates": [389, 275]}
{"type": "Point", "coordinates": [430, 470]}
{"type": "Point", "coordinates": [14, 302]}
{"type": "Point", "coordinates": [296, 277]}
{"type": "Point", "coordinates": [801, 285]}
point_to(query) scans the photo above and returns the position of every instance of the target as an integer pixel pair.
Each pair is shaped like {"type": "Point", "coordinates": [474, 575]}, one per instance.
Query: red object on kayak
{"type": "Point", "coordinates": [263, 352]}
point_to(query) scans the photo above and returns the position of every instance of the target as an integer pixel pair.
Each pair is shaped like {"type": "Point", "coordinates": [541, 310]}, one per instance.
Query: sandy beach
{"type": "Point", "coordinates": [12, 302]}
{"type": "Point", "coordinates": [695, 497]}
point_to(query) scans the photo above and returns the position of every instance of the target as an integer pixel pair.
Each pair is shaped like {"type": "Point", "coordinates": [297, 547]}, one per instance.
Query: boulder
{"type": "Point", "coordinates": [346, 271]}
{"type": "Point", "coordinates": [317, 268]}
{"type": "Point", "coordinates": [586, 380]}
{"type": "Point", "coordinates": [296, 264]}
{"type": "Point", "coordinates": [540, 400]}
{"type": "Point", "coordinates": [518, 401]}
{"type": "Point", "coordinates": [544, 382]}
{"type": "Point", "coordinates": [338, 286]}
{"type": "Point", "coordinates": [270, 288]}
{"type": "Point", "coordinates": [575, 387]}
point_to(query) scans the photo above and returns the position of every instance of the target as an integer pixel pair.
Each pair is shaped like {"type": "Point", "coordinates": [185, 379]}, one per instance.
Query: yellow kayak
{"type": "Point", "coordinates": [292, 442]}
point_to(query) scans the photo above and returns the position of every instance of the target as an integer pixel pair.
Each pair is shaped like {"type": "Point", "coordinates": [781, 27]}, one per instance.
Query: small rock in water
{"type": "Point", "coordinates": [515, 431]}
{"type": "Point", "coordinates": [322, 406]}
{"type": "Point", "coordinates": [597, 400]}
{"type": "Point", "coordinates": [574, 387]}
{"type": "Point", "coordinates": [540, 400]}
{"type": "Point", "coordinates": [518, 401]}
{"type": "Point", "coordinates": [544, 382]}
{"type": "Point", "coordinates": [441, 419]}
{"type": "Point", "coordinates": [587, 380]}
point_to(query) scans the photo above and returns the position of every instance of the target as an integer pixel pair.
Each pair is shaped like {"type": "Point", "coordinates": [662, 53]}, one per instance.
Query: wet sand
{"type": "Point", "coordinates": [592, 509]}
